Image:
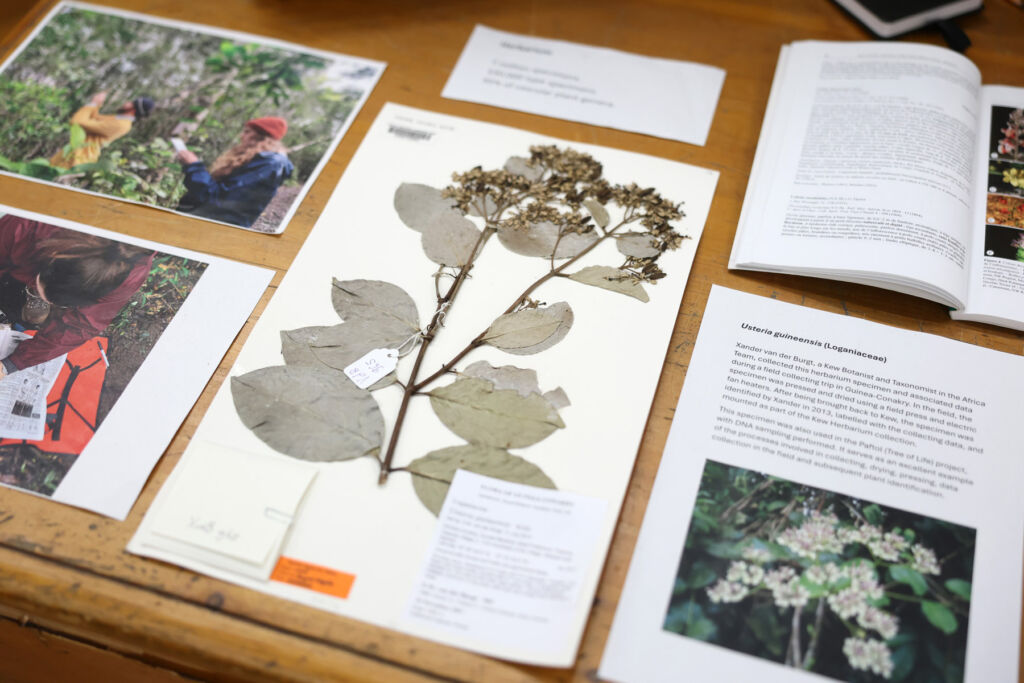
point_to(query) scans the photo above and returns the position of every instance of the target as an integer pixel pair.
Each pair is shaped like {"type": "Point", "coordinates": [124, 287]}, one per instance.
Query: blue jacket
{"type": "Point", "coordinates": [239, 198]}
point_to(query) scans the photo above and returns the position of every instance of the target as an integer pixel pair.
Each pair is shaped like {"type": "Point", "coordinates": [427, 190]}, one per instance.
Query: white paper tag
{"type": "Point", "coordinates": [505, 567]}
{"type": "Point", "coordinates": [372, 367]}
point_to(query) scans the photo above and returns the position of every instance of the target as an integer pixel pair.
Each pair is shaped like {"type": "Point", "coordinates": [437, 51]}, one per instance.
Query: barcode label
{"type": "Point", "coordinates": [22, 409]}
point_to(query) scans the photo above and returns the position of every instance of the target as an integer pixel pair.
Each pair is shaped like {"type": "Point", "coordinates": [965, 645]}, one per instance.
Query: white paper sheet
{"type": "Point", "coordinates": [505, 566]}
{"type": "Point", "coordinates": [230, 510]}
{"type": "Point", "coordinates": [666, 98]}
{"type": "Point", "coordinates": [23, 398]}
{"type": "Point", "coordinates": [110, 470]}
{"type": "Point", "coordinates": [854, 420]}
{"type": "Point", "coordinates": [380, 534]}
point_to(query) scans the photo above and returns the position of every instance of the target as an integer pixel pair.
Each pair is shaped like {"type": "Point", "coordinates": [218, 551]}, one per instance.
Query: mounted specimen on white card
{"type": "Point", "coordinates": [553, 205]}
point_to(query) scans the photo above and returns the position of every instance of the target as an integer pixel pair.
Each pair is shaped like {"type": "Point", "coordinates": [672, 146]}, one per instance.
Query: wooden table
{"type": "Point", "coordinates": [76, 606]}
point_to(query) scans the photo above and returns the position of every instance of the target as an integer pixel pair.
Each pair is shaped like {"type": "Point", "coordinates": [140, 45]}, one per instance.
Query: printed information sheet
{"type": "Point", "coordinates": [835, 496]}
{"type": "Point", "coordinates": [506, 565]}
{"type": "Point", "coordinates": [666, 98]}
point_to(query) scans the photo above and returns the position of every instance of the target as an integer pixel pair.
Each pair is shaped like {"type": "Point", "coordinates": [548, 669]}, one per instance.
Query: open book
{"type": "Point", "coordinates": [889, 164]}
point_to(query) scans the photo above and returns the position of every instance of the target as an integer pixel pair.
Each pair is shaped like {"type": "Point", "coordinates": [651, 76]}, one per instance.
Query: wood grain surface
{"type": "Point", "coordinates": [64, 575]}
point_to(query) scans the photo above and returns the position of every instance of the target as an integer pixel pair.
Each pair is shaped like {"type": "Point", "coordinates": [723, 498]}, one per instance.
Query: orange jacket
{"type": "Point", "coordinates": [100, 130]}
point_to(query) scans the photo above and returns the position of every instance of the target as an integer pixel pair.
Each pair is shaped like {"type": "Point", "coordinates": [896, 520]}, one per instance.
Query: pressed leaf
{"type": "Point", "coordinates": [940, 616]}
{"type": "Point", "coordinates": [597, 212]}
{"type": "Point", "coordinates": [530, 330]}
{"type": "Point", "coordinates": [540, 239]}
{"type": "Point", "coordinates": [521, 166]}
{"type": "Point", "coordinates": [480, 414]}
{"type": "Point", "coordinates": [309, 413]}
{"type": "Point", "coordinates": [637, 244]}
{"type": "Point", "coordinates": [433, 473]}
{"type": "Point", "coordinates": [295, 345]}
{"type": "Point", "coordinates": [338, 346]}
{"type": "Point", "coordinates": [959, 587]}
{"type": "Point", "coordinates": [612, 279]}
{"type": "Point", "coordinates": [523, 380]}
{"type": "Point", "coordinates": [450, 239]}
{"type": "Point", "coordinates": [909, 576]}
{"type": "Point", "coordinates": [418, 205]}
{"type": "Point", "coordinates": [557, 397]}
{"type": "Point", "coordinates": [381, 305]}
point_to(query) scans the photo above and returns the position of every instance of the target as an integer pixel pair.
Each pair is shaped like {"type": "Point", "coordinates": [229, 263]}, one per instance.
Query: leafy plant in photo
{"type": "Point", "coordinates": [553, 205]}
{"type": "Point", "coordinates": [823, 582]}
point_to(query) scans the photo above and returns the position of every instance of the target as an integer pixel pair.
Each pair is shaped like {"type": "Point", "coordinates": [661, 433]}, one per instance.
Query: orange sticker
{"type": "Point", "coordinates": [313, 577]}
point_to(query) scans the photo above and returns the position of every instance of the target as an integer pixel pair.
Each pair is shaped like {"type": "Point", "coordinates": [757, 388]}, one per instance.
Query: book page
{"type": "Point", "coordinates": [828, 463]}
{"type": "Point", "coordinates": [996, 287]}
{"type": "Point", "coordinates": [835, 497]}
{"type": "Point", "coordinates": [863, 171]}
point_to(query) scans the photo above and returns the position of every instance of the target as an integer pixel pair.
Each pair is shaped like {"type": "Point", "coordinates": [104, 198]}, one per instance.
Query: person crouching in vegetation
{"type": "Point", "coordinates": [242, 181]}
{"type": "Point", "coordinates": [67, 285]}
{"type": "Point", "coordinates": [100, 129]}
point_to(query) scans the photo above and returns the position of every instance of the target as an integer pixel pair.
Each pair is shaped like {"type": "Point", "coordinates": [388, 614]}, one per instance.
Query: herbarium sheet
{"type": "Point", "coordinates": [505, 301]}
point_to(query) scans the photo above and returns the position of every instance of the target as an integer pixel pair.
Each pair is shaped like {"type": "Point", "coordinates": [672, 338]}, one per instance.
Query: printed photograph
{"type": "Point", "coordinates": [1006, 178]}
{"type": "Point", "coordinates": [1007, 139]}
{"type": "Point", "coordinates": [79, 314]}
{"type": "Point", "coordinates": [816, 580]}
{"type": "Point", "coordinates": [1004, 210]}
{"type": "Point", "coordinates": [227, 128]}
{"type": "Point", "coordinates": [1005, 243]}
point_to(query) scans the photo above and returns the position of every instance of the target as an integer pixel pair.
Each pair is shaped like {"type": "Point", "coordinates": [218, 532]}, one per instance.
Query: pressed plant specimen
{"type": "Point", "coordinates": [554, 205]}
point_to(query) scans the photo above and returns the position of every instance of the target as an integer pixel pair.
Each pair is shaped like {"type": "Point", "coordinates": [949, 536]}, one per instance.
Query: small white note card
{"type": "Point", "coordinates": [505, 567]}
{"type": "Point", "coordinates": [666, 98]}
{"type": "Point", "coordinates": [230, 509]}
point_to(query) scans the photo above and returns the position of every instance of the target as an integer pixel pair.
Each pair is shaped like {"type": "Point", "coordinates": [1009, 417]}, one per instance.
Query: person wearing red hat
{"type": "Point", "coordinates": [241, 182]}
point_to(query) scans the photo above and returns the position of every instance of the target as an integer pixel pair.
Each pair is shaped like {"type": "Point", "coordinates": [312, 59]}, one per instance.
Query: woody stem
{"type": "Point", "coordinates": [443, 303]}
{"type": "Point", "coordinates": [479, 339]}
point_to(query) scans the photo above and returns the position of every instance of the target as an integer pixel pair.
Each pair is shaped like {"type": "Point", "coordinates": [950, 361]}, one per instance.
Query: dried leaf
{"type": "Point", "coordinates": [530, 330]}
{"type": "Point", "coordinates": [418, 205]}
{"type": "Point", "coordinates": [611, 279]}
{"type": "Point", "coordinates": [539, 239]}
{"type": "Point", "coordinates": [597, 212]}
{"type": "Point", "coordinates": [557, 398]}
{"type": "Point", "coordinates": [295, 345]}
{"type": "Point", "coordinates": [524, 381]}
{"type": "Point", "coordinates": [433, 473]}
{"type": "Point", "coordinates": [521, 166]}
{"type": "Point", "coordinates": [309, 413]}
{"type": "Point", "coordinates": [381, 305]}
{"type": "Point", "coordinates": [340, 346]}
{"type": "Point", "coordinates": [638, 244]}
{"type": "Point", "coordinates": [450, 240]}
{"type": "Point", "coordinates": [476, 411]}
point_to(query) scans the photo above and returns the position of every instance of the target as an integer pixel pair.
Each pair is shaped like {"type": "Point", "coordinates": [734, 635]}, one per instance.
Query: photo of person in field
{"type": "Point", "coordinates": [95, 305]}
{"type": "Point", "coordinates": [177, 94]}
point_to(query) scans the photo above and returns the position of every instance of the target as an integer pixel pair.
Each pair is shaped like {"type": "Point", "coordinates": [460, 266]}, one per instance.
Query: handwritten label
{"type": "Point", "coordinates": [313, 577]}
{"type": "Point", "coordinates": [373, 367]}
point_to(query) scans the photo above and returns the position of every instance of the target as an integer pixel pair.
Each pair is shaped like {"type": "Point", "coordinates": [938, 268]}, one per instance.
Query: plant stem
{"type": "Point", "coordinates": [794, 638]}
{"type": "Point", "coordinates": [479, 339]}
{"type": "Point", "coordinates": [819, 614]}
{"type": "Point", "coordinates": [428, 335]}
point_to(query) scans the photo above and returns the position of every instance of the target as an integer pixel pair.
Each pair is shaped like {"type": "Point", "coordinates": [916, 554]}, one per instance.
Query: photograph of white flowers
{"type": "Point", "coordinates": [815, 580]}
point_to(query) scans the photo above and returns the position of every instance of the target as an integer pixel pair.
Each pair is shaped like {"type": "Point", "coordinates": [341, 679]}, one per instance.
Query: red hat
{"type": "Point", "coordinates": [274, 126]}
